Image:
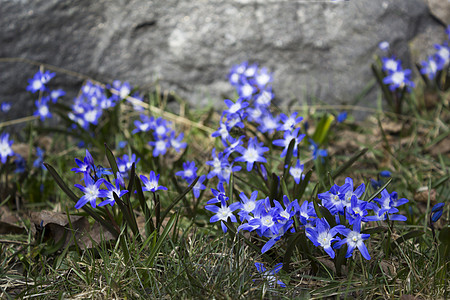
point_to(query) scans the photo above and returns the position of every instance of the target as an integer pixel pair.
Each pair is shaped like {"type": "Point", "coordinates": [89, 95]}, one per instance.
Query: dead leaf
{"type": "Point", "coordinates": [441, 148]}
{"type": "Point", "coordinates": [96, 235]}
{"type": "Point", "coordinates": [8, 222]}
{"type": "Point", "coordinates": [422, 196]}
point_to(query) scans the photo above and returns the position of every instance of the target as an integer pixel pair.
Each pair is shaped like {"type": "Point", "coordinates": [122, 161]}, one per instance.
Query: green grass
{"type": "Point", "coordinates": [189, 258]}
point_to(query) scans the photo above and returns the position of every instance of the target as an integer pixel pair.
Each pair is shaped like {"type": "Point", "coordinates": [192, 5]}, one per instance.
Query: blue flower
{"type": "Point", "coordinates": [347, 196]}
{"type": "Point", "coordinates": [385, 173]}
{"type": "Point", "coordinates": [342, 116]}
{"type": "Point", "coordinates": [216, 163]}
{"type": "Point", "coordinates": [5, 147]}
{"type": "Point", "coordinates": [38, 163]}
{"type": "Point", "coordinates": [223, 131]}
{"type": "Point", "coordinates": [122, 144]}
{"type": "Point", "coordinates": [101, 171]}
{"type": "Point", "coordinates": [219, 194]}
{"type": "Point", "coordinates": [232, 143]}
{"type": "Point", "coordinates": [246, 90]}
{"type": "Point", "coordinates": [264, 98]}
{"type": "Point", "coordinates": [199, 186]}
{"type": "Point", "coordinates": [37, 83]}
{"type": "Point", "coordinates": [263, 78]}
{"type": "Point", "coordinates": [42, 109]}
{"type": "Point", "coordinates": [390, 64]}
{"type": "Point", "coordinates": [436, 212]}
{"type": "Point", "coordinates": [354, 239]}
{"type": "Point", "coordinates": [235, 107]}
{"type": "Point", "coordinates": [253, 153]}
{"type": "Point", "coordinates": [247, 205]}
{"type": "Point", "coordinates": [176, 143]}
{"type": "Point", "coordinates": [268, 123]}
{"type": "Point", "coordinates": [332, 199]}
{"type": "Point", "coordinates": [109, 194]}
{"type": "Point", "coordinates": [124, 164]}
{"type": "Point", "coordinates": [144, 126]}
{"type": "Point", "coordinates": [91, 191]}
{"type": "Point", "coordinates": [5, 107]}
{"type": "Point", "coordinates": [151, 183]}
{"type": "Point", "coordinates": [297, 172]}
{"type": "Point", "coordinates": [442, 55]}
{"type": "Point", "coordinates": [290, 122]}
{"type": "Point", "coordinates": [307, 212]}
{"type": "Point", "coordinates": [20, 163]}
{"type": "Point", "coordinates": [55, 94]}
{"type": "Point", "coordinates": [383, 46]}
{"type": "Point", "coordinates": [287, 138]}
{"type": "Point", "coordinates": [123, 90]}
{"type": "Point", "coordinates": [429, 67]}
{"type": "Point", "coordinates": [189, 172]}
{"type": "Point", "coordinates": [322, 235]}
{"type": "Point", "coordinates": [387, 201]}
{"type": "Point", "coordinates": [160, 146]}
{"type": "Point", "coordinates": [223, 213]}
{"type": "Point", "coordinates": [270, 276]}
{"type": "Point", "coordinates": [161, 128]}
{"type": "Point", "coordinates": [317, 152]}
{"type": "Point", "coordinates": [86, 165]}
{"type": "Point", "coordinates": [399, 79]}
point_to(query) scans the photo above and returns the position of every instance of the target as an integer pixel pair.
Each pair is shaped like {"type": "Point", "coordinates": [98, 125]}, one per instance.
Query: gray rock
{"type": "Point", "coordinates": [313, 47]}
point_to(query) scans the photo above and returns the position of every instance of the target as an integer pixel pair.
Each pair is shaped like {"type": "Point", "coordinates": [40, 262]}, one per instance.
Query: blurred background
{"type": "Point", "coordinates": [315, 49]}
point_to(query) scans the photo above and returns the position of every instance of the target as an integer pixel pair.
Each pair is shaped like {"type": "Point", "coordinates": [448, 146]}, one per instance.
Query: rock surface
{"type": "Point", "coordinates": [319, 48]}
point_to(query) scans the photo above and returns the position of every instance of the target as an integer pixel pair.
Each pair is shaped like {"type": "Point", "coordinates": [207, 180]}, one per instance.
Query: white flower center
{"type": "Point", "coordinates": [247, 90]}
{"type": "Point", "coordinates": [43, 110]}
{"type": "Point", "coordinates": [398, 78]}
{"type": "Point", "coordinates": [251, 155]}
{"type": "Point", "coordinates": [188, 173]}
{"type": "Point", "coordinates": [249, 206]}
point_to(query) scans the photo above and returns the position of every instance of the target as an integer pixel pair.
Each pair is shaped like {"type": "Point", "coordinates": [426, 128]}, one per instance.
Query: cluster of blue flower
{"type": "Point", "coordinates": [39, 84]}
{"type": "Point", "coordinates": [396, 77]}
{"type": "Point", "coordinates": [272, 218]}
{"type": "Point", "coordinates": [88, 107]}
{"type": "Point", "coordinates": [7, 151]}
{"type": "Point", "coordinates": [438, 61]}
{"type": "Point", "coordinates": [96, 176]}
{"type": "Point", "coordinates": [343, 202]}
{"type": "Point", "coordinates": [164, 137]}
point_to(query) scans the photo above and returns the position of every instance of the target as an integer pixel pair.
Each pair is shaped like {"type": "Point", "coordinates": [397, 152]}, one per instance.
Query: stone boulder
{"type": "Point", "coordinates": [317, 48]}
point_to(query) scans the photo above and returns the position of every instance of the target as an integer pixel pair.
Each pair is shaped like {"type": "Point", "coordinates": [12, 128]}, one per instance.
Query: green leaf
{"type": "Point", "coordinates": [379, 190]}
{"type": "Point", "coordinates": [112, 160]}
{"type": "Point", "coordinates": [444, 236]}
{"type": "Point", "coordinates": [348, 163]}
{"type": "Point", "coordinates": [375, 230]}
{"type": "Point", "coordinates": [300, 188]}
{"type": "Point", "coordinates": [128, 214]}
{"type": "Point", "coordinates": [178, 198]}
{"type": "Point", "coordinates": [288, 158]}
{"type": "Point", "coordinates": [323, 129]}
{"type": "Point", "coordinates": [155, 250]}
{"type": "Point", "coordinates": [405, 237]}
{"type": "Point", "coordinates": [149, 226]}
{"type": "Point", "coordinates": [386, 92]}
{"type": "Point", "coordinates": [274, 188]}
{"type": "Point", "coordinates": [291, 245]}
{"type": "Point", "coordinates": [75, 199]}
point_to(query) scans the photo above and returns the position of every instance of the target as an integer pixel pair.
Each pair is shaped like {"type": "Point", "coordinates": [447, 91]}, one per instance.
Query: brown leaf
{"type": "Point", "coordinates": [55, 225]}
{"type": "Point", "coordinates": [442, 147]}
{"type": "Point", "coordinates": [8, 222]}
{"type": "Point", "coordinates": [422, 196]}
{"type": "Point", "coordinates": [94, 236]}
